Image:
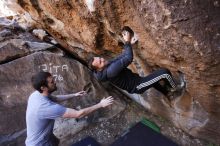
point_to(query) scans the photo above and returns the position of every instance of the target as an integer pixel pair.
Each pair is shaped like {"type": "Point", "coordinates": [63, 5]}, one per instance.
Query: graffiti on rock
{"type": "Point", "coordinates": [55, 70]}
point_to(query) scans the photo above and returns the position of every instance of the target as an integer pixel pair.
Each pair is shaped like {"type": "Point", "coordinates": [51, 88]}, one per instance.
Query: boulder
{"type": "Point", "coordinates": [70, 75]}
{"type": "Point", "coordinates": [16, 42]}
{"type": "Point", "coordinates": [182, 36]}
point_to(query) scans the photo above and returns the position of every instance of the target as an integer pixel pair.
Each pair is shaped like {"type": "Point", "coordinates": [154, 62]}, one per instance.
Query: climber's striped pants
{"type": "Point", "coordinates": [153, 80]}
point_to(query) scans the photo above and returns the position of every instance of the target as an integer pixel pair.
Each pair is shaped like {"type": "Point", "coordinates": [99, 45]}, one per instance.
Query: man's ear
{"type": "Point", "coordinates": [43, 88]}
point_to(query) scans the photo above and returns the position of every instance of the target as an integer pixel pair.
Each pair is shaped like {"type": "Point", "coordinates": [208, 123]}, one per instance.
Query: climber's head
{"type": "Point", "coordinates": [97, 63]}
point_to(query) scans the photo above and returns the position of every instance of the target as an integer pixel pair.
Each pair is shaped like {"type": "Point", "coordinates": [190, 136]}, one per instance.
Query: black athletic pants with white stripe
{"type": "Point", "coordinates": [153, 80]}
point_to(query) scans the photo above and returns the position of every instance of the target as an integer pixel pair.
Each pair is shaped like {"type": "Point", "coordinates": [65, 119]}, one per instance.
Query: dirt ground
{"type": "Point", "coordinates": [108, 131]}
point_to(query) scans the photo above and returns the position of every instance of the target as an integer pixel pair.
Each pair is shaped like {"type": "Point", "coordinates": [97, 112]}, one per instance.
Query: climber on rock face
{"type": "Point", "coordinates": [42, 110]}
{"type": "Point", "coordinates": [118, 74]}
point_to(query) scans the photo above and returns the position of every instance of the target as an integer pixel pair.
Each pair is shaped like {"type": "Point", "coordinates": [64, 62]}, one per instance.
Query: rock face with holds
{"type": "Point", "coordinates": [23, 55]}
{"type": "Point", "coordinates": [178, 35]}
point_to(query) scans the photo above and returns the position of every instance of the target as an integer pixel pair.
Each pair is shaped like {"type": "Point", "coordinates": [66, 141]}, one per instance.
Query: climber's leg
{"type": "Point", "coordinates": [153, 80]}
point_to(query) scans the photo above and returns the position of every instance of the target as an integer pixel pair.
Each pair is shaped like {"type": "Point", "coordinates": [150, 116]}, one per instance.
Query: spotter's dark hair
{"type": "Point", "coordinates": [39, 80]}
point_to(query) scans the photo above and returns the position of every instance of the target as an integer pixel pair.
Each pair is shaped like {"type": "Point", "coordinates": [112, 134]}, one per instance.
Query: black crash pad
{"type": "Point", "coordinates": [88, 141]}
{"type": "Point", "coordinates": [142, 135]}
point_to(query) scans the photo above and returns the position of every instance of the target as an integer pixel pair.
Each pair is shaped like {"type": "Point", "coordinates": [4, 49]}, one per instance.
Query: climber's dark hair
{"type": "Point", "coordinates": [39, 80]}
{"type": "Point", "coordinates": [127, 28]}
{"type": "Point", "coordinates": [90, 61]}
